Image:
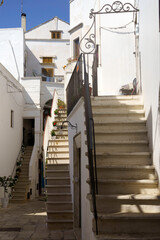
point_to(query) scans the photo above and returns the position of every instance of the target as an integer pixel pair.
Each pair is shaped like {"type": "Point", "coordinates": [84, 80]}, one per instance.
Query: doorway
{"type": "Point", "coordinates": [77, 182]}
{"type": "Point", "coordinates": [28, 132]}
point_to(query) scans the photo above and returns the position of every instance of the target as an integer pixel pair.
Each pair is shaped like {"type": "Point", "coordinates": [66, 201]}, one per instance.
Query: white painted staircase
{"type": "Point", "coordinates": [128, 200]}
{"type": "Point", "coordinates": [59, 200]}
{"type": "Point", "coordinates": [19, 194]}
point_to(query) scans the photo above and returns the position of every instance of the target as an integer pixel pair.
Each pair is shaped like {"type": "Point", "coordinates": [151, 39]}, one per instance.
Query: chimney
{"type": "Point", "coordinates": [23, 21]}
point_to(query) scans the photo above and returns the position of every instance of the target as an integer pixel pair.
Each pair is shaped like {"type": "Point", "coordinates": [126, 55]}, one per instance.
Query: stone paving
{"type": "Point", "coordinates": [30, 217]}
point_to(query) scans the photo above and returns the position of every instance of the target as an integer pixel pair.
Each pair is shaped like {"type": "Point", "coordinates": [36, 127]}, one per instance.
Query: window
{"type": "Point", "coordinates": [47, 59]}
{"type": "Point", "coordinates": [12, 118]}
{"type": "Point", "coordinates": [56, 35]}
{"type": "Point", "coordinates": [47, 74]}
{"type": "Point", "coordinates": [76, 48]}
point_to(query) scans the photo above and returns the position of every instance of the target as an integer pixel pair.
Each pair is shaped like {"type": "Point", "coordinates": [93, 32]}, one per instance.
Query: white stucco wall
{"type": "Point", "coordinates": [12, 51]}
{"type": "Point", "coordinates": [77, 117]}
{"type": "Point", "coordinates": [33, 110]}
{"type": "Point", "coordinates": [36, 49]}
{"type": "Point", "coordinates": [43, 31]}
{"type": "Point", "coordinates": [48, 89]}
{"type": "Point", "coordinates": [150, 62]}
{"type": "Point", "coordinates": [11, 98]}
{"type": "Point", "coordinates": [117, 45]}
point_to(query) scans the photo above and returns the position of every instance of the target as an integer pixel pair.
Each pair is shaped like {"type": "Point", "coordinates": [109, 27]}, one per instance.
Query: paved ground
{"type": "Point", "coordinates": [30, 217]}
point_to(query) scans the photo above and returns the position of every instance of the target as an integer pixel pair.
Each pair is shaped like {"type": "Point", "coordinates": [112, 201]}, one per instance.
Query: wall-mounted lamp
{"type": "Point", "coordinates": [70, 125]}
{"type": "Point", "coordinates": [1, 2]}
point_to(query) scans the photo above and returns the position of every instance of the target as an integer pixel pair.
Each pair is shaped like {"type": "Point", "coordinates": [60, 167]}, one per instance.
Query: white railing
{"type": "Point", "coordinates": [33, 170]}
{"type": "Point", "coordinates": [48, 124]}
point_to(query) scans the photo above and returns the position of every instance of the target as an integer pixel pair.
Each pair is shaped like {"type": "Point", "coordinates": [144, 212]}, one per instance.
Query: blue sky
{"type": "Point", "coordinates": [37, 11]}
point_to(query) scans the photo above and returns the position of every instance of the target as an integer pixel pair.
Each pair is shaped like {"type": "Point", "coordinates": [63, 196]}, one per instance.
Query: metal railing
{"type": "Point", "coordinates": [17, 160]}
{"type": "Point", "coordinates": [78, 87]}
{"type": "Point", "coordinates": [90, 143]}
{"type": "Point", "coordinates": [75, 87]}
{"type": "Point", "coordinates": [55, 79]}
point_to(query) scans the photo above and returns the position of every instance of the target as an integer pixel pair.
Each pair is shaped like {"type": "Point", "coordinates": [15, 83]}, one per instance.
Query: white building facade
{"type": "Point", "coordinates": [128, 45]}
{"type": "Point", "coordinates": [31, 70]}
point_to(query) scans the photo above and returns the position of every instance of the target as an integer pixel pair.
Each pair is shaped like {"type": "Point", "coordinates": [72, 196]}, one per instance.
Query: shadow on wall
{"type": "Point", "coordinates": [33, 65]}
{"type": "Point", "coordinates": [150, 131]}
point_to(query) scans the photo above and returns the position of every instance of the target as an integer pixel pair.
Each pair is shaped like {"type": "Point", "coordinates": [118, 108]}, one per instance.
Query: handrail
{"type": "Point", "coordinates": [90, 143]}
{"type": "Point", "coordinates": [18, 158]}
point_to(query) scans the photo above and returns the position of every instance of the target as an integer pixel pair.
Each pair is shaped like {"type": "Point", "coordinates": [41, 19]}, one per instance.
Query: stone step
{"type": "Point", "coordinates": [18, 201]}
{"type": "Point", "coordinates": [118, 186]}
{"type": "Point", "coordinates": [60, 215]}
{"type": "Point", "coordinates": [58, 205]}
{"type": "Point", "coordinates": [117, 97]}
{"type": "Point", "coordinates": [58, 181]}
{"type": "Point", "coordinates": [103, 110]}
{"type": "Point", "coordinates": [120, 135]}
{"type": "Point", "coordinates": [58, 188]}
{"type": "Point", "coordinates": [19, 198]}
{"type": "Point", "coordinates": [117, 105]}
{"type": "Point", "coordinates": [126, 172]}
{"type": "Point", "coordinates": [19, 194]}
{"type": "Point", "coordinates": [124, 236]}
{"type": "Point", "coordinates": [120, 126]}
{"type": "Point", "coordinates": [60, 118]}
{"type": "Point", "coordinates": [57, 167]}
{"type": "Point", "coordinates": [118, 116]}
{"type": "Point", "coordinates": [57, 173]}
{"type": "Point", "coordinates": [128, 223]}
{"type": "Point", "coordinates": [58, 155]}
{"type": "Point", "coordinates": [60, 142]}
{"type": "Point", "coordinates": [58, 160]}
{"type": "Point", "coordinates": [122, 146]}
{"type": "Point", "coordinates": [60, 224]}
{"type": "Point", "coordinates": [130, 203]}
{"type": "Point", "coordinates": [57, 148]}
{"type": "Point", "coordinates": [123, 159]}
{"type": "Point", "coordinates": [59, 197]}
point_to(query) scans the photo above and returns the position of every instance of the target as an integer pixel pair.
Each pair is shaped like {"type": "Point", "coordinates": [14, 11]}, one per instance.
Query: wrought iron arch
{"type": "Point", "coordinates": [116, 7]}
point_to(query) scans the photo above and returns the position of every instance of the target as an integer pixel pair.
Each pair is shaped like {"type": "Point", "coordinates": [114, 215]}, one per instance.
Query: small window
{"type": "Point", "coordinates": [47, 74]}
{"type": "Point", "coordinates": [47, 59]}
{"type": "Point", "coordinates": [56, 35]}
{"type": "Point", "coordinates": [76, 48]}
{"type": "Point", "coordinates": [12, 118]}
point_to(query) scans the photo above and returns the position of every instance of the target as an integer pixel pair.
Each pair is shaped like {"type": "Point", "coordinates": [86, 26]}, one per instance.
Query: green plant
{"type": "Point", "coordinates": [54, 123]}
{"type": "Point", "coordinates": [56, 112]}
{"type": "Point", "coordinates": [53, 133]}
{"type": "Point", "coordinates": [61, 104]}
{"type": "Point", "coordinates": [7, 182]}
{"type": "Point", "coordinates": [19, 163]}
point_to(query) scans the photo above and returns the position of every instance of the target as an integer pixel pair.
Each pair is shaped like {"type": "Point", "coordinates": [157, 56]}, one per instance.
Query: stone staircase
{"type": "Point", "coordinates": [128, 200]}
{"type": "Point", "coordinates": [22, 186]}
{"type": "Point", "coordinates": [59, 200]}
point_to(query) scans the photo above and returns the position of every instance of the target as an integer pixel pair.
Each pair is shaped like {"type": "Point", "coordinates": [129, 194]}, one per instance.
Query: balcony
{"type": "Point", "coordinates": [55, 79]}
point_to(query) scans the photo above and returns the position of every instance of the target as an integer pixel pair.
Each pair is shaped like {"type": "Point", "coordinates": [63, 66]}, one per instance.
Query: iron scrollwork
{"type": "Point", "coordinates": [116, 7]}
{"type": "Point", "coordinates": [90, 43]}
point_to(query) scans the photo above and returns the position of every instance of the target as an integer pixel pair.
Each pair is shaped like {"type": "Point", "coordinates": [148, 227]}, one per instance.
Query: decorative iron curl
{"type": "Point", "coordinates": [116, 7]}
{"type": "Point", "coordinates": [1, 2]}
{"type": "Point", "coordinates": [90, 45]}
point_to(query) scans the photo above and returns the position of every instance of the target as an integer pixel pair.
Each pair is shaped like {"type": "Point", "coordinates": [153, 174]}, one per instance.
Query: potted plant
{"type": "Point", "coordinates": [6, 183]}
{"type": "Point", "coordinates": [56, 112]}
{"type": "Point", "coordinates": [61, 104]}
{"type": "Point", "coordinates": [53, 134]}
{"type": "Point", "coordinates": [54, 123]}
